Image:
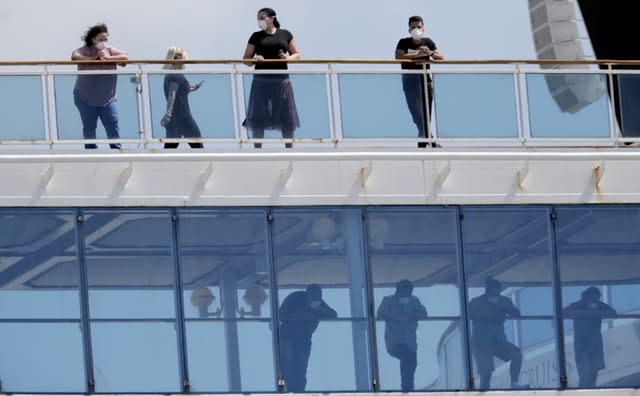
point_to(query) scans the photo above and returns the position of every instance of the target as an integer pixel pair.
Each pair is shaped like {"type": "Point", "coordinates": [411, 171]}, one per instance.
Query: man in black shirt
{"type": "Point", "coordinates": [300, 314]}
{"type": "Point", "coordinates": [488, 314]}
{"type": "Point", "coordinates": [417, 47]}
{"type": "Point", "coordinates": [587, 314]}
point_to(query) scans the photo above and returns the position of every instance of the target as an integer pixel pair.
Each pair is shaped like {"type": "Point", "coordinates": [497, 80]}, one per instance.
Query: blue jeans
{"type": "Point", "coordinates": [108, 116]}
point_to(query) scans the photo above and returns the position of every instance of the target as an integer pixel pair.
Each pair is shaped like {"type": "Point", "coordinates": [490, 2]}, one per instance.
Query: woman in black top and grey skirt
{"type": "Point", "coordinates": [271, 101]}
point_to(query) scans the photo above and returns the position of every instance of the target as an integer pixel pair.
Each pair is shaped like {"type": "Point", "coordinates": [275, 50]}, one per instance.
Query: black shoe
{"type": "Point", "coordinates": [288, 145]}
{"type": "Point", "coordinates": [257, 145]}
{"type": "Point", "coordinates": [423, 144]}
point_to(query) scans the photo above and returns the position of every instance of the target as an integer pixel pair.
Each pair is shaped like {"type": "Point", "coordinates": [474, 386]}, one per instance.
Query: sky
{"type": "Point", "coordinates": [213, 29]}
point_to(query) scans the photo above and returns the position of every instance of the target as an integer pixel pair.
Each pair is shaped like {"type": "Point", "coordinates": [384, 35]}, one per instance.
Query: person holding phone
{"type": "Point", "coordinates": [271, 101]}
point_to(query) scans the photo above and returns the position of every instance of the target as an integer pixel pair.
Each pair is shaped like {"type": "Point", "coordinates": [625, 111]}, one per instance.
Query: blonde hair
{"type": "Point", "coordinates": [175, 53]}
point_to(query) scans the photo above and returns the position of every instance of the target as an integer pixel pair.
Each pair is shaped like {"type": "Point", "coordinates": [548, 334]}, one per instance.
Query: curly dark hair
{"type": "Point", "coordinates": [92, 32]}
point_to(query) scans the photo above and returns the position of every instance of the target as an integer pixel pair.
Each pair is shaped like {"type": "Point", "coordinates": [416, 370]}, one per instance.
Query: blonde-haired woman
{"type": "Point", "coordinates": [178, 120]}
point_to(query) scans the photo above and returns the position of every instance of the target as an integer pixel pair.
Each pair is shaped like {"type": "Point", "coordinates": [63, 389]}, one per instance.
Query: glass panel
{"type": "Point", "coordinates": [39, 281]}
{"type": "Point", "coordinates": [508, 266]}
{"type": "Point", "coordinates": [374, 106]}
{"type": "Point", "coordinates": [409, 259]}
{"type": "Point", "coordinates": [310, 98]}
{"type": "Point", "coordinates": [68, 116]}
{"type": "Point", "coordinates": [211, 105]}
{"type": "Point", "coordinates": [475, 105]}
{"type": "Point", "coordinates": [602, 346]}
{"type": "Point", "coordinates": [21, 108]}
{"type": "Point", "coordinates": [568, 105]}
{"type": "Point", "coordinates": [322, 292]}
{"type": "Point", "coordinates": [208, 355]}
{"type": "Point", "coordinates": [135, 357]}
{"type": "Point", "coordinates": [130, 276]}
{"type": "Point", "coordinates": [129, 264]}
{"type": "Point", "coordinates": [39, 278]}
{"type": "Point", "coordinates": [41, 357]}
{"type": "Point", "coordinates": [225, 275]}
{"type": "Point", "coordinates": [629, 102]}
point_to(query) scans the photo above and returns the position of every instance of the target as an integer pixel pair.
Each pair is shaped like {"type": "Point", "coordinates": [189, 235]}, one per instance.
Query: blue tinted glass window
{"type": "Point", "coordinates": [227, 300]}
{"type": "Point", "coordinates": [507, 251]}
{"type": "Point", "coordinates": [68, 119]}
{"type": "Point", "coordinates": [130, 274]}
{"type": "Point", "coordinates": [414, 262]}
{"type": "Point", "coordinates": [21, 108]}
{"type": "Point", "coordinates": [629, 100]}
{"type": "Point", "coordinates": [598, 253]}
{"type": "Point", "coordinates": [487, 101]}
{"type": "Point", "coordinates": [211, 105]}
{"type": "Point", "coordinates": [324, 329]}
{"type": "Point", "coordinates": [568, 105]}
{"type": "Point", "coordinates": [40, 332]}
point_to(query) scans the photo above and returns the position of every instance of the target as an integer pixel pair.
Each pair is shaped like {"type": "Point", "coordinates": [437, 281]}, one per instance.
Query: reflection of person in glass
{"type": "Point", "coordinates": [95, 94]}
{"type": "Point", "coordinates": [299, 315]}
{"type": "Point", "coordinates": [178, 120]}
{"type": "Point", "coordinates": [401, 313]}
{"type": "Point", "coordinates": [271, 101]}
{"type": "Point", "coordinates": [587, 314]}
{"type": "Point", "coordinates": [417, 47]}
{"type": "Point", "coordinates": [488, 313]}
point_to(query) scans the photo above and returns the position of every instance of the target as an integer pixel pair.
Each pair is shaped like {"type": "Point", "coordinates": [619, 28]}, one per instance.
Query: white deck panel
{"type": "Point", "coordinates": [279, 178]}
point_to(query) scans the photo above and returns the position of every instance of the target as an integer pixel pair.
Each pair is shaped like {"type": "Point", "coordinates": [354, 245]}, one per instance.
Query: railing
{"type": "Point", "coordinates": [343, 103]}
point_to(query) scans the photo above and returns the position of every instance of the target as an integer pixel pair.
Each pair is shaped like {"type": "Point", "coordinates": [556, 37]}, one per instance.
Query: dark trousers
{"type": "Point", "coordinates": [295, 358]}
{"type": "Point", "coordinates": [413, 87]}
{"type": "Point", "coordinates": [408, 363]}
{"type": "Point", "coordinates": [588, 373]}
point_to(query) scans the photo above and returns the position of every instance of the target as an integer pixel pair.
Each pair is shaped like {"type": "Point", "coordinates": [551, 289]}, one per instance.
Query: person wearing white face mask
{"type": "Point", "coordinates": [300, 314]}
{"type": "Point", "coordinates": [95, 95]}
{"type": "Point", "coordinates": [178, 120]}
{"type": "Point", "coordinates": [401, 313]}
{"type": "Point", "coordinates": [417, 48]}
{"type": "Point", "coordinates": [271, 101]}
{"type": "Point", "coordinates": [488, 314]}
{"type": "Point", "coordinates": [587, 314]}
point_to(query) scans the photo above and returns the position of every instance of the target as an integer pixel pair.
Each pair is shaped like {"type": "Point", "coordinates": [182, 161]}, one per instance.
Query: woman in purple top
{"type": "Point", "coordinates": [271, 101]}
{"type": "Point", "coordinates": [95, 95]}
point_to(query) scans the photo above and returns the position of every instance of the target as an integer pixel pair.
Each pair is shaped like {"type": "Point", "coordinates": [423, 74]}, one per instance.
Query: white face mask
{"type": "Point", "coordinates": [315, 304]}
{"type": "Point", "coordinates": [416, 34]}
{"type": "Point", "coordinates": [101, 45]}
{"type": "Point", "coordinates": [493, 300]}
{"type": "Point", "coordinates": [262, 24]}
{"type": "Point", "coordinates": [403, 300]}
{"type": "Point", "coordinates": [592, 305]}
